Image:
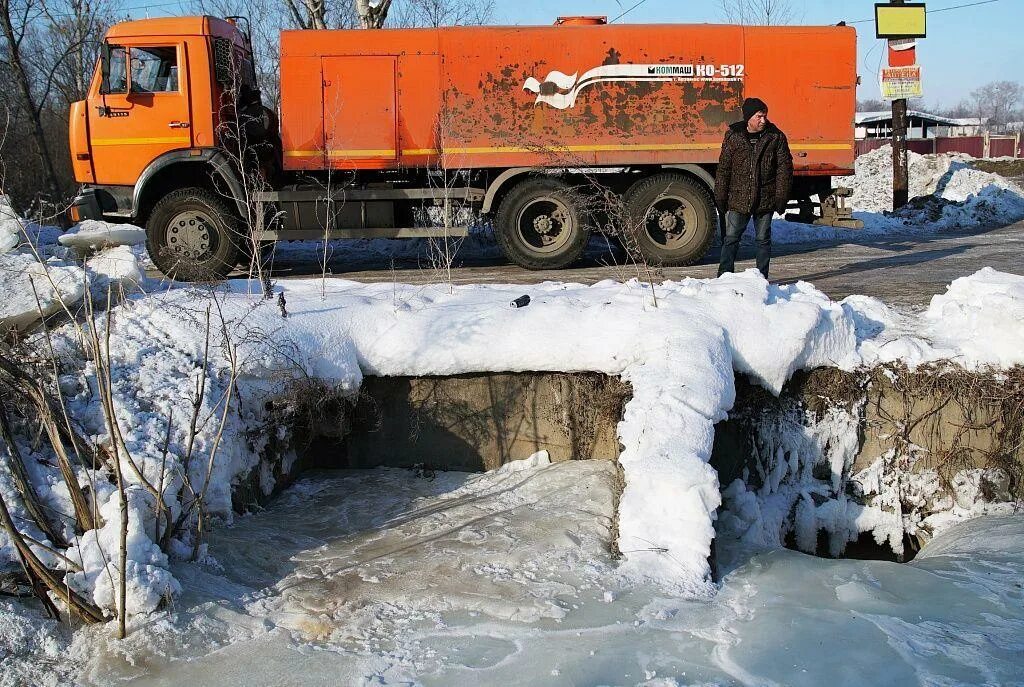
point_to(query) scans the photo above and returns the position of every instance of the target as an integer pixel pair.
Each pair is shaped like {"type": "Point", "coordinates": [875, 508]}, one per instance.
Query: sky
{"type": "Point", "coordinates": [965, 48]}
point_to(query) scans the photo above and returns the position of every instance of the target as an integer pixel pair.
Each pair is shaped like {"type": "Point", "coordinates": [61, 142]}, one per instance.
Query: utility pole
{"type": "Point", "coordinates": [900, 181]}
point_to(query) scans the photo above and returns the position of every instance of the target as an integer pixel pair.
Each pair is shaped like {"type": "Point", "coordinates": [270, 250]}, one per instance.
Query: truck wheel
{"type": "Point", "coordinates": [540, 225]}
{"type": "Point", "coordinates": [672, 219]}
{"type": "Point", "coordinates": [193, 236]}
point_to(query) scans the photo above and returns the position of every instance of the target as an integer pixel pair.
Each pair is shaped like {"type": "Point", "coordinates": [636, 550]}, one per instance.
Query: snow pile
{"type": "Point", "coordinates": [92, 235]}
{"type": "Point", "coordinates": [978, 322]}
{"type": "Point", "coordinates": [872, 181]}
{"type": "Point", "coordinates": [950, 194]}
{"type": "Point", "coordinates": [25, 279]}
{"type": "Point", "coordinates": [946, 194]}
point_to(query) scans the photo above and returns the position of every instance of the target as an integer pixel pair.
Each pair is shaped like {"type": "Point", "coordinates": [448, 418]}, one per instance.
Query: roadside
{"type": "Point", "coordinates": [901, 269]}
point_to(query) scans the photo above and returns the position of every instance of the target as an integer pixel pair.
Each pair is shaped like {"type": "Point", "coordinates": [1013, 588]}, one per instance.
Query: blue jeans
{"type": "Point", "coordinates": [735, 225]}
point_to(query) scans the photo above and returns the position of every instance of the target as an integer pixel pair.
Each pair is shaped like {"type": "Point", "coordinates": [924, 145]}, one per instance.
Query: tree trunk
{"type": "Point", "coordinates": [372, 17]}
{"type": "Point", "coordinates": [33, 111]}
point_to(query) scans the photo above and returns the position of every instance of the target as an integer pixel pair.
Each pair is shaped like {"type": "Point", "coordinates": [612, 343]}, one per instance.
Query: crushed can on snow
{"type": "Point", "coordinates": [521, 302]}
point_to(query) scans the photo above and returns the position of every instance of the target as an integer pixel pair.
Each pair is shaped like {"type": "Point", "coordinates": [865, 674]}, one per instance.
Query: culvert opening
{"type": "Point", "coordinates": [466, 423]}
{"type": "Point", "coordinates": [477, 422]}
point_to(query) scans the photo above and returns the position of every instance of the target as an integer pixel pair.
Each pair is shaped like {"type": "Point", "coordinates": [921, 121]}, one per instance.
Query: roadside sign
{"type": "Point", "coordinates": [900, 21]}
{"type": "Point", "coordinates": [902, 52]}
{"type": "Point", "coordinates": [901, 82]}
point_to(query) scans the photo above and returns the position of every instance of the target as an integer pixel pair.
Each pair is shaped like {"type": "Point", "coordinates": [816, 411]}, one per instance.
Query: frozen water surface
{"type": "Point", "coordinates": [385, 577]}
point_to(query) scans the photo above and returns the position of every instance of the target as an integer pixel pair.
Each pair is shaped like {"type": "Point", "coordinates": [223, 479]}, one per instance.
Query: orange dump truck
{"type": "Point", "coordinates": [523, 124]}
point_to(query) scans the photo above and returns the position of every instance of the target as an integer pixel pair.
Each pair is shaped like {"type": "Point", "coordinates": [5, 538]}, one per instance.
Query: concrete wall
{"type": "Point", "coordinates": [949, 421]}
{"type": "Point", "coordinates": [482, 421]}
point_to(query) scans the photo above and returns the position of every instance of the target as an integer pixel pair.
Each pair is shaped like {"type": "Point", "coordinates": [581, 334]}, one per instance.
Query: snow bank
{"type": "Point", "coordinates": [92, 235]}
{"type": "Point", "coordinates": [946, 194]}
{"type": "Point", "coordinates": [978, 322]}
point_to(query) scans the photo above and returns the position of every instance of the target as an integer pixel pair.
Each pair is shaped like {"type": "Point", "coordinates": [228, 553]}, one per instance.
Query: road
{"type": "Point", "coordinates": [899, 269]}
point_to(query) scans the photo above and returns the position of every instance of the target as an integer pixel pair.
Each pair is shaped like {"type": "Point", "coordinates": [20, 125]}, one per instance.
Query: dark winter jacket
{"type": "Point", "coordinates": [754, 178]}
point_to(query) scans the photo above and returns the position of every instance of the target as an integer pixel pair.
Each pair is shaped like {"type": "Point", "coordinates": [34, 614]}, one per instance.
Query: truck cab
{"type": "Point", "coordinates": [154, 119]}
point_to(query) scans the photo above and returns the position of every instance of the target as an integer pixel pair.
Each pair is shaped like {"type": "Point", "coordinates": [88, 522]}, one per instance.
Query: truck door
{"type": "Point", "coordinates": [145, 114]}
{"type": "Point", "coordinates": [360, 111]}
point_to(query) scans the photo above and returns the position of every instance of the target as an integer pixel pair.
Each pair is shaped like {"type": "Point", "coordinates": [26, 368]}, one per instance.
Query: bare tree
{"type": "Point", "coordinates": [19, 22]}
{"type": "Point", "coordinates": [46, 61]}
{"type": "Point", "coordinates": [435, 13]}
{"type": "Point", "coordinates": [758, 12]}
{"type": "Point", "coordinates": [74, 31]}
{"type": "Point", "coordinates": [997, 101]}
{"type": "Point", "coordinates": [872, 105]}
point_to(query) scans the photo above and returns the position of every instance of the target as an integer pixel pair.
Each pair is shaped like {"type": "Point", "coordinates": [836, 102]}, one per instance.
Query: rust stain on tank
{"type": "Point", "coordinates": [604, 111]}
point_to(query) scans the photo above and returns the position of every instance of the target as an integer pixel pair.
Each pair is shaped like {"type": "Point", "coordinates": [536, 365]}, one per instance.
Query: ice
{"type": "Point", "coordinates": [292, 600]}
{"type": "Point", "coordinates": [116, 265]}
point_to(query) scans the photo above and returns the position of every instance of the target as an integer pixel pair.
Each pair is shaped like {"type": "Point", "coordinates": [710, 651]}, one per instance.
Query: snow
{"type": "Point", "coordinates": [53, 284]}
{"type": "Point", "coordinates": [978, 322]}
{"type": "Point", "coordinates": [91, 235]}
{"type": "Point", "coordinates": [682, 381]}
{"type": "Point", "coordinates": [947, 194]}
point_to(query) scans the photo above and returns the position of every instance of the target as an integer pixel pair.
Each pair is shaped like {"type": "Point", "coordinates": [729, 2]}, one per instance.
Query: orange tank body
{"type": "Point", "coordinates": [570, 95]}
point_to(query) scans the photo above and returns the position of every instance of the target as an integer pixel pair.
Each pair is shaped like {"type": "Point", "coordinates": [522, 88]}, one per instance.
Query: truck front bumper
{"type": "Point", "coordinates": [86, 205]}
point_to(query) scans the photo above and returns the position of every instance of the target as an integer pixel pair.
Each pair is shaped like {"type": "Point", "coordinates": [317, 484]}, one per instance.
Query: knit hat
{"type": "Point", "coordinates": [751, 106]}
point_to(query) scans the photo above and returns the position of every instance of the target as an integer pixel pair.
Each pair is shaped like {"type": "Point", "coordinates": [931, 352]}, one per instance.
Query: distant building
{"type": "Point", "coordinates": [919, 125]}
{"type": "Point", "coordinates": [964, 126]}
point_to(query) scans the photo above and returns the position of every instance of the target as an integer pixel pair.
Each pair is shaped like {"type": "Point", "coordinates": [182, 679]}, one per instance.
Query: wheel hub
{"type": "Point", "coordinates": [667, 221]}
{"type": "Point", "coordinates": [543, 224]}
{"type": "Point", "coordinates": [189, 235]}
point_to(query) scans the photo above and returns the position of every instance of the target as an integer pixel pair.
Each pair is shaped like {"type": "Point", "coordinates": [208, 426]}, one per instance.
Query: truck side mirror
{"type": "Point", "coordinates": [104, 68]}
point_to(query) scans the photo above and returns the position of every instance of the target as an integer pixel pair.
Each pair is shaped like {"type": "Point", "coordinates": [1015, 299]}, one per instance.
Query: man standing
{"type": "Point", "coordinates": [755, 175]}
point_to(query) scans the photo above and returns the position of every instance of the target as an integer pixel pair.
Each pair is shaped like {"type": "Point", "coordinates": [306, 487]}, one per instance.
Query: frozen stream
{"type": "Point", "coordinates": [386, 577]}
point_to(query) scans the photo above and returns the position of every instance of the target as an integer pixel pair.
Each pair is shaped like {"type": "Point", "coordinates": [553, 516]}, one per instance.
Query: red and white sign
{"type": "Point", "coordinates": [902, 52]}
{"type": "Point", "coordinates": [901, 82]}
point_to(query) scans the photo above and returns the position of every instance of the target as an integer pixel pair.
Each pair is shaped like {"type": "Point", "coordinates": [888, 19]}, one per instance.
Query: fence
{"type": "Point", "coordinates": [975, 146]}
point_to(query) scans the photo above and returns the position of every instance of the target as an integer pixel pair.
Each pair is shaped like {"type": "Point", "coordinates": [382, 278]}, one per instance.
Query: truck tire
{"type": "Point", "coordinates": [540, 225]}
{"type": "Point", "coordinates": [672, 219]}
{"type": "Point", "coordinates": [192, 235]}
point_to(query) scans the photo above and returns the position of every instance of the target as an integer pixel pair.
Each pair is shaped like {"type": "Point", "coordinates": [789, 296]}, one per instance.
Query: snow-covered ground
{"type": "Point", "coordinates": [354, 593]}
